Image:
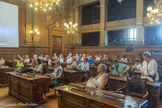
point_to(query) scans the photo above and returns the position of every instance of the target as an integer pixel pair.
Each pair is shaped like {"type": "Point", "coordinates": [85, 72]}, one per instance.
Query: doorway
{"type": "Point", "coordinates": [57, 45]}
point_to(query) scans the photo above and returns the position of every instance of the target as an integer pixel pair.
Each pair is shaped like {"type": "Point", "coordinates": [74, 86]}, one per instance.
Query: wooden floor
{"type": "Point", "coordinates": [5, 98]}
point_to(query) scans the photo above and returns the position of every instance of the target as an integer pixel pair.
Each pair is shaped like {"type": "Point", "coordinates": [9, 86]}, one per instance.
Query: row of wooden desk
{"type": "Point", "coordinates": [3, 76]}
{"type": "Point", "coordinates": [31, 90]}
{"type": "Point", "coordinates": [94, 98]}
{"type": "Point", "coordinates": [154, 89]}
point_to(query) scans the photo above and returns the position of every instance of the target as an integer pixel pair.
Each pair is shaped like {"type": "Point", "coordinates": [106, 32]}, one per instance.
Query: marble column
{"type": "Point", "coordinates": [102, 21]}
{"type": "Point", "coordinates": [139, 22]}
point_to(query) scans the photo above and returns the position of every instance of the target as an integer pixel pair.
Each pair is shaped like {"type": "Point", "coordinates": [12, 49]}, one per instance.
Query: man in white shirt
{"type": "Point", "coordinates": [150, 67]}
{"type": "Point", "coordinates": [84, 66]}
{"type": "Point", "coordinates": [74, 64]}
{"type": "Point", "coordinates": [69, 59]}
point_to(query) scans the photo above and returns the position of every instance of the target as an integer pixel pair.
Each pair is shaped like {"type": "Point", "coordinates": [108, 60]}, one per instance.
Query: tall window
{"type": "Point", "coordinates": [123, 37]}
{"type": "Point", "coordinates": [91, 39]}
{"type": "Point", "coordinates": [91, 14]}
{"type": "Point", "coordinates": [120, 11]}
{"type": "Point", "coordinates": [153, 35]}
{"type": "Point", "coordinates": [132, 35]}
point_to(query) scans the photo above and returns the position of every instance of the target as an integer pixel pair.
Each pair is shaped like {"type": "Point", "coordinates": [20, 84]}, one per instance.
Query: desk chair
{"type": "Point", "coordinates": [135, 87]}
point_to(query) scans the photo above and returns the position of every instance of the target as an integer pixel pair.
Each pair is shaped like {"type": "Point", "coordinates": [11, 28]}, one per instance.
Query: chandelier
{"type": "Point", "coordinates": [70, 27]}
{"type": "Point", "coordinates": [43, 5]}
{"type": "Point", "coordinates": [155, 13]}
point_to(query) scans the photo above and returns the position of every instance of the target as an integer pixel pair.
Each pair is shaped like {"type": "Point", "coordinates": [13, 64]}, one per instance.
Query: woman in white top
{"type": "Point", "coordinates": [27, 60]}
{"type": "Point", "coordinates": [149, 67]}
{"type": "Point", "coordinates": [55, 56]}
{"type": "Point", "coordinates": [124, 59]}
{"type": "Point", "coordinates": [99, 81]}
{"type": "Point", "coordinates": [97, 58]}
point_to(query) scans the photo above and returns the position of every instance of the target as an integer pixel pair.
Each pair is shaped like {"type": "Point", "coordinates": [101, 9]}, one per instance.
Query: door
{"type": "Point", "coordinates": [57, 45]}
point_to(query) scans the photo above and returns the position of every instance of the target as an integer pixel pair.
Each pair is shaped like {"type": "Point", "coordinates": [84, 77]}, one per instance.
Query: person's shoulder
{"type": "Point", "coordinates": [154, 61]}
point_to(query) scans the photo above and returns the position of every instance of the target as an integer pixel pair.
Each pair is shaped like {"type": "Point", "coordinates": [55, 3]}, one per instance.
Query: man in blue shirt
{"type": "Point", "coordinates": [90, 60]}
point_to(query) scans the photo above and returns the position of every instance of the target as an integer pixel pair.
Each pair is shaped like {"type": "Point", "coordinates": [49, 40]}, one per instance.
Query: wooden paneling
{"type": "Point", "coordinates": [22, 22]}
{"type": "Point", "coordinates": [8, 53]}
{"type": "Point", "coordinates": [43, 29]}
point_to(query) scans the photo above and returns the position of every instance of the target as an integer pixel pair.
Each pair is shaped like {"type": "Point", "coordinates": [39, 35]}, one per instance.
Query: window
{"type": "Point", "coordinates": [132, 35]}
{"type": "Point", "coordinates": [91, 14]}
{"type": "Point", "coordinates": [123, 37]}
{"type": "Point", "coordinates": [91, 39]}
{"type": "Point", "coordinates": [153, 35]}
{"type": "Point", "coordinates": [120, 11]}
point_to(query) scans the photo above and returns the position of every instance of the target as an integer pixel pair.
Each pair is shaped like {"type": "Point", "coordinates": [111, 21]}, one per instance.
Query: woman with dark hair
{"type": "Point", "coordinates": [119, 69]}
{"type": "Point", "coordinates": [57, 73]}
{"type": "Point", "coordinates": [38, 67]}
{"type": "Point", "coordinates": [124, 59]}
{"type": "Point", "coordinates": [137, 66]}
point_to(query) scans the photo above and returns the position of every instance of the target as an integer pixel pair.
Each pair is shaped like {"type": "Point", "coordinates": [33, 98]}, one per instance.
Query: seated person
{"type": "Point", "coordinates": [99, 81]}
{"type": "Point", "coordinates": [38, 67]}
{"type": "Point", "coordinates": [49, 62]}
{"type": "Point", "coordinates": [82, 58]}
{"type": "Point", "coordinates": [90, 60]}
{"type": "Point", "coordinates": [84, 66]}
{"type": "Point", "coordinates": [98, 58]}
{"type": "Point", "coordinates": [41, 57]}
{"type": "Point", "coordinates": [69, 59]}
{"type": "Point", "coordinates": [27, 60]}
{"type": "Point", "coordinates": [124, 59]}
{"type": "Point", "coordinates": [73, 65]}
{"type": "Point", "coordinates": [119, 69]}
{"type": "Point", "coordinates": [20, 64]}
{"type": "Point", "coordinates": [150, 67]}
{"type": "Point", "coordinates": [105, 58]}
{"type": "Point", "coordinates": [2, 61]}
{"type": "Point", "coordinates": [54, 57]}
{"type": "Point", "coordinates": [57, 73]}
{"type": "Point", "coordinates": [137, 66]}
{"type": "Point", "coordinates": [35, 57]}
{"type": "Point", "coordinates": [77, 57]}
{"type": "Point", "coordinates": [61, 58]}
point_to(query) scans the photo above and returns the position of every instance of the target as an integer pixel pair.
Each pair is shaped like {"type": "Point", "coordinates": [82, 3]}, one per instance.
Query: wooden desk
{"type": "Point", "coordinates": [64, 65]}
{"type": "Point", "coordinates": [94, 98]}
{"type": "Point", "coordinates": [28, 89]}
{"type": "Point", "coordinates": [11, 64]}
{"type": "Point", "coordinates": [72, 76]}
{"type": "Point", "coordinates": [128, 63]}
{"type": "Point", "coordinates": [51, 69]}
{"type": "Point", "coordinates": [154, 89]}
{"type": "Point", "coordinates": [3, 76]}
